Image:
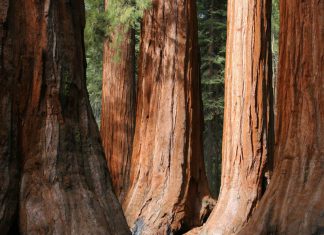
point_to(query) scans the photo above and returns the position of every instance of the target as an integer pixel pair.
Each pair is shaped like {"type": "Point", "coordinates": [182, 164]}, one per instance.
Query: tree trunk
{"type": "Point", "coordinates": [118, 106]}
{"type": "Point", "coordinates": [294, 201]}
{"type": "Point", "coordinates": [9, 172]}
{"type": "Point", "coordinates": [168, 190]}
{"type": "Point", "coordinates": [247, 119]}
{"type": "Point", "coordinates": [65, 185]}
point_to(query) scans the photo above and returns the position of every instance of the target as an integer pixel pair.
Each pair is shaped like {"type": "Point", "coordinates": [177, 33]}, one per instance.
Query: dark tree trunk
{"type": "Point", "coordinates": [168, 190]}
{"type": "Point", "coordinates": [294, 202]}
{"type": "Point", "coordinates": [65, 185]}
{"type": "Point", "coordinates": [9, 172]}
{"type": "Point", "coordinates": [118, 106]}
{"type": "Point", "coordinates": [248, 116]}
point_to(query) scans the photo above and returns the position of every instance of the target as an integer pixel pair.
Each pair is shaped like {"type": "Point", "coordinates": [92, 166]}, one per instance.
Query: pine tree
{"type": "Point", "coordinates": [94, 35]}
{"type": "Point", "coordinates": [118, 103]}
{"type": "Point", "coordinates": [212, 42]}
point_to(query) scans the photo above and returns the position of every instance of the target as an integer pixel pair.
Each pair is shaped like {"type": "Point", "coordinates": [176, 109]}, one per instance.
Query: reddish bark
{"type": "Point", "coordinates": [294, 201]}
{"type": "Point", "coordinates": [168, 191]}
{"type": "Point", "coordinates": [247, 119]}
{"type": "Point", "coordinates": [118, 106]}
{"type": "Point", "coordinates": [65, 186]}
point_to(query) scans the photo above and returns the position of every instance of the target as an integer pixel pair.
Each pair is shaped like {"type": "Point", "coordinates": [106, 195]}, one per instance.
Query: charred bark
{"type": "Point", "coordinates": [65, 186]}
{"type": "Point", "coordinates": [294, 201]}
{"type": "Point", "coordinates": [168, 190]}
{"type": "Point", "coordinates": [248, 115]}
{"type": "Point", "coordinates": [118, 106]}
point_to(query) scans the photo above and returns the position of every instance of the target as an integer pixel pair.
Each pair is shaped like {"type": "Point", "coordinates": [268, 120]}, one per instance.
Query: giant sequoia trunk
{"type": "Point", "coordinates": [65, 186]}
{"type": "Point", "coordinates": [118, 106]}
{"type": "Point", "coordinates": [9, 171]}
{"type": "Point", "coordinates": [168, 190]}
{"type": "Point", "coordinates": [9, 178]}
{"type": "Point", "coordinates": [247, 118]}
{"type": "Point", "coordinates": [294, 202]}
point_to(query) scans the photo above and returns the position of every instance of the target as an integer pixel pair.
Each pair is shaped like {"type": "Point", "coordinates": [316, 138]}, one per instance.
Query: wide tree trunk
{"type": "Point", "coordinates": [65, 185]}
{"type": "Point", "coordinates": [118, 105]}
{"type": "Point", "coordinates": [168, 191]}
{"type": "Point", "coordinates": [9, 171]}
{"type": "Point", "coordinates": [248, 117]}
{"type": "Point", "coordinates": [294, 201]}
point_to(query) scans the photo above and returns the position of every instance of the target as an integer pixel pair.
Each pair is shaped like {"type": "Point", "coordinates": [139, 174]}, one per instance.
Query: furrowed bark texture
{"type": "Point", "coordinates": [118, 106]}
{"type": "Point", "coordinates": [168, 190]}
{"type": "Point", "coordinates": [247, 118]}
{"type": "Point", "coordinates": [9, 177]}
{"type": "Point", "coordinates": [65, 186]}
{"type": "Point", "coordinates": [294, 202]}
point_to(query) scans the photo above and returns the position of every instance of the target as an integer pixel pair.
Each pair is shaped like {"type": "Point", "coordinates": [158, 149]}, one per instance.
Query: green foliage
{"type": "Point", "coordinates": [275, 24]}
{"type": "Point", "coordinates": [212, 42]}
{"type": "Point", "coordinates": [94, 35]}
{"type": "Point", "coordinates": [121, 16]}
{"type": "Point", "coordinates": [126, 13]}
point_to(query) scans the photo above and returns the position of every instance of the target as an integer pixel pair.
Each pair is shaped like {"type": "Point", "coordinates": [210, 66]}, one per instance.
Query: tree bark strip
{"type": "Point", "coordinates": [248, 115]}
{"type": "Point", "coordinates": [118, 106]}
{"type": "Point", "coordinates": [168, 191]}
{"type": "Point", "coordinates": [9, 168]}
{"type": "Point", "coordinates": [65, 186]}
{"type": "Point", "coordinates": [294, 202]}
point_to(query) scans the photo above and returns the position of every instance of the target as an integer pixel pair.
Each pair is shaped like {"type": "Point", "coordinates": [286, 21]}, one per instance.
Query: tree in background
{"type": "Point", "coordinates": [212, 43]}
{"type": "Point", "coordinates": [168, 190]}
{"type": "Point", "coordinates": [294, 200]}
{"type": "Point", "coordinates": [100, 26]}
{"type": "Point", "coordinates": [118, 102]}
{"type": "Point", "coordinates": [113, 31]}
{"type": "Point", "coordinates": [65, 186]}
{"type": "Point", "coordinates": [248, 127]}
